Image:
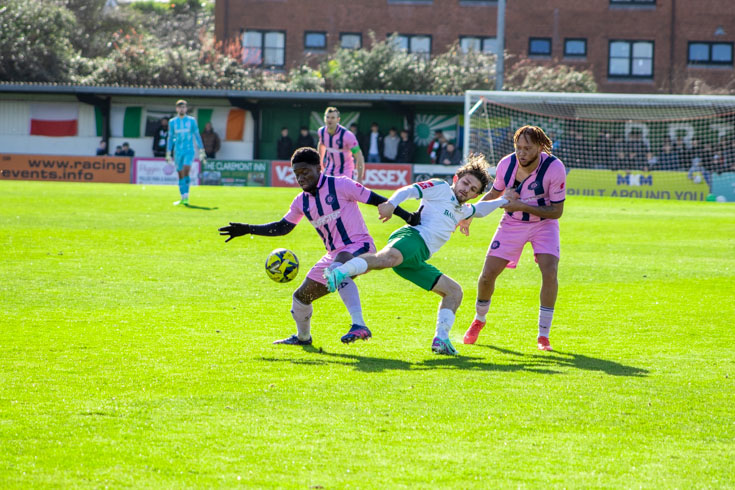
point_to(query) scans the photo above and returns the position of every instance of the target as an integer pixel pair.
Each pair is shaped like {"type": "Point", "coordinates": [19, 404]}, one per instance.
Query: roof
{"type": "Point", "coordinates": [253, 95]}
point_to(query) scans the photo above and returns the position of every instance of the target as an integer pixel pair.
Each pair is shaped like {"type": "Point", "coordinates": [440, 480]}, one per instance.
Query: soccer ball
{"type": "Point", "coordinates": [282, 265]}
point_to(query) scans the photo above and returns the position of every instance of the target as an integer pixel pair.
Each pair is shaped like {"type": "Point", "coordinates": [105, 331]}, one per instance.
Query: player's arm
{"type": "Point", "coordinates": [359, 163]}
{"type": "Point", "coordinates": [387, 208]}
{"type": "Point", "coordinates": [413, 219]}
{"type": "Point", "coordinates": [276, 228]}
{"type": "Point", "coordinates": [552, 211]}
{"type": "Point", "coordinates": [170, 139]}
{"type": "Point", "coordinates": [198, 139]}
{"type": "Point", "coordinates": [483, 208]}
{"type": "Point", "coordinates": [492, 194]}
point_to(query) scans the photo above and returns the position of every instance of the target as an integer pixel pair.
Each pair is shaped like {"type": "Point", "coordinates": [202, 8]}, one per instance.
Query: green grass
{"type": "Point", "coordinates": [136, 351]}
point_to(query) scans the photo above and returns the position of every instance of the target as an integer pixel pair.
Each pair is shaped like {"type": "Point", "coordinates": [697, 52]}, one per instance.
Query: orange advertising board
{"type": "Point", "coordinates": [64, 168]}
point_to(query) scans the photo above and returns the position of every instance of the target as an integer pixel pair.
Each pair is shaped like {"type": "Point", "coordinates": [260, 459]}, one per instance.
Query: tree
{"type": "Point", "coordinates": [36, 51]}
{"type": "Point", "coordinates": [526, 76]}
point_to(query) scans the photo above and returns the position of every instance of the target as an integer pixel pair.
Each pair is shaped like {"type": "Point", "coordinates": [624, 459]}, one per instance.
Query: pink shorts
{"type": "Point", "coordinates": [512, 235]}
{"type": "Point", "coordinates": [317, 272]}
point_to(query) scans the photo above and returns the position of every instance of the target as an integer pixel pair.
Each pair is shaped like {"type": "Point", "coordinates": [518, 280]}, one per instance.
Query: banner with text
{"type": "Point", "coordinates": [647, 185]}
{"type": "Point", "coordinates": [65, 168]}
{"type": "Point", "coordinates": [236, 173]}
{"type": "Point", "coordinates": [377, 175]}
{"type": "Point", "coordinates": [157, 171]}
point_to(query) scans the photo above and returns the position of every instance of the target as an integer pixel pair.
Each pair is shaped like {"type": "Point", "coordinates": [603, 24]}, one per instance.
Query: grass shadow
{"type": "Point", "coordinates": [203, 208]}
{"type": "Point", "coordinates": [379, 364]}
{"type": "Point", "coordinates": [576, 361]}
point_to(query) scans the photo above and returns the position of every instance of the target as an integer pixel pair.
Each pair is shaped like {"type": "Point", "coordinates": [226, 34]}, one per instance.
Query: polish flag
{"type": "Point", "coordinates": [54, 119]}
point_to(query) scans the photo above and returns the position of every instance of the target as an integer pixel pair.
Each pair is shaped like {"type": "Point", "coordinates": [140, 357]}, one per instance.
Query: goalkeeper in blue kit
{"type": "Point", "coordinates": [182, 132]}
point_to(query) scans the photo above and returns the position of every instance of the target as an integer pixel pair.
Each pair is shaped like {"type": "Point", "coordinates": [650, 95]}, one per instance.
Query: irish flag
{"type": "Point", "coordinates": [54, 119]}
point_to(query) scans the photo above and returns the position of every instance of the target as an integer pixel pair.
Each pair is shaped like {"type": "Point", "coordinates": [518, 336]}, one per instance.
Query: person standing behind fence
{"type": "Point", "coordinates": [183, 133]}
{"type": "Point", "coordinates": [406, 148]}
{"type": "Point", "coordinates": [160, 138]}
{"type": "Point", "coordinates": [305, 139]}
{"type": "Point", "coordinates": [211, 141]}
{"type": "Point", "coordinates": [390, 146]}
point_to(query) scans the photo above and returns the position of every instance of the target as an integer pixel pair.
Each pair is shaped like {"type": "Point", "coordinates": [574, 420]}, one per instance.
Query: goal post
{"type": "Point", "coordinates": [623, 145]}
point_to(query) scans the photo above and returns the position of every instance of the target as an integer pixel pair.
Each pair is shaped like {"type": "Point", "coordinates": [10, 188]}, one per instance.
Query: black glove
{"type": "Point", "coordinates": [414, 219]}
{"type": "Point", "coordinates": [234, 230]}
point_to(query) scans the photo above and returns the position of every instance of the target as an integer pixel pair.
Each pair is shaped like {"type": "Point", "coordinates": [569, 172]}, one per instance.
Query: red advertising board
{"type": "Point", "coordinates": [377, 175]}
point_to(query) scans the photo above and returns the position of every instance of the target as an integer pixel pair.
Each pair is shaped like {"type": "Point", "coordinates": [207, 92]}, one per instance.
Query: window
{"type": "Point", "coordinates": [264, 48]}
{"type": "Point", "coordinates": [315, 41]}
{"type": "Point", "coordinates": [539, 46]}
{"type": "Point", "coordinates": [418, 44]}
{"type": "Point", "coordinates": [350, 40]}
{"type": "Point", "coordinates": [706, 53]}
{"type": "Point", "coordinates": [575, 48]}
{"type": "Point", "coordinates": [632, 59]}
{"type": "Point", "coordinates": [476, 43]}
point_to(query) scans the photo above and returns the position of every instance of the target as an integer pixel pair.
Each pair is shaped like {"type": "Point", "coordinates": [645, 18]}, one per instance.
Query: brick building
{"type": "Point", "coordinates": [635, 46]}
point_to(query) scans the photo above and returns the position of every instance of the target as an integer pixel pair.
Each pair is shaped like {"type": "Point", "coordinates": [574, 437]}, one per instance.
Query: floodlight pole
{"type": "Point", "coordinates": [500, 36]}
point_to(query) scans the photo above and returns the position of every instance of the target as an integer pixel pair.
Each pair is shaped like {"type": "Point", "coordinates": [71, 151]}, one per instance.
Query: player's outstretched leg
{"type": "Point", "coordinates": [356, 332]}
{"type": "Point", "coordinates": [334, 278]}
{"type": "Point", "coordinates": [443, 346]}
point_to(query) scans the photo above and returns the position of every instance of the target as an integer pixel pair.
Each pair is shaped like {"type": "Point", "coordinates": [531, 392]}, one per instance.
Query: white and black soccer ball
{"type": "Point", "coordinates": [282, 265]}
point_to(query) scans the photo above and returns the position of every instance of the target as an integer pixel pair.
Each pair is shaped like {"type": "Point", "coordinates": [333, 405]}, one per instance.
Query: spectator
{"type": "Point", "coordinates": [604, 149]}
{"type": "Point", "coordinates": [436, 145]}
{"type": "Point", "coordinates": [620, 161]}
{"type": "Point", "coordinates": [637, 152]}
{"type": "Point", "coordinates": [406, 149]}
{"type": "Point", "coordinates": [285, 145]}
{"type": "Point", "coordinates": [361, 139]}
{"type": "Point", "coordinates": [668, 159]}
{"type": "Point", "coordinates": [127, 151]}
{"type": "Point", "coordinates": [211, 141]}
{"type": "Point", "coordinates": [375, 144]}
{"type": "Point", "coordinates": [102, 148]}
{"type": "Point", "coordinates": [159, 138]}
{"type": "Point", "coordinates": [119, 151]}
{"type": "Point", "coordinates": [305, 139]}
{"type": "Point", "coordinates": [390, 146]}
{"type": "Point", "coordinates": [450, 155]}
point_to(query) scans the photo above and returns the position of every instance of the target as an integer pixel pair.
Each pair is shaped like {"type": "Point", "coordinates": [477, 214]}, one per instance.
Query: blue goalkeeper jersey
{"type": "Point", "coordinates": [181, 134]}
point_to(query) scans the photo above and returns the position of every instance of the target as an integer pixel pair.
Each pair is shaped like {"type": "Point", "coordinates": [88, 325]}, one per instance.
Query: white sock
{"type": "Point", "coordinates": [444, 322]}
{"type": "Point", "coordinates": [545, 316]}
{"type": "Point", "coordinates": [354, 267]}
{"type": "Point", "coordinates": [351, 298]}
{"type": "Point", "coordinates": [302, 315]}
{"type": "Point", "coordinates": [481, 309]}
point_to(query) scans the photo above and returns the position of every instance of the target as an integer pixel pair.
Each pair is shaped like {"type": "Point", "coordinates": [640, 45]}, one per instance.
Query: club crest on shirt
{"type": "Point", "coordinates": [533, 185]}
{"type": "Point", "coordinates": [330, 199]}
{"type": "Point", "coordinates": [495, 244]}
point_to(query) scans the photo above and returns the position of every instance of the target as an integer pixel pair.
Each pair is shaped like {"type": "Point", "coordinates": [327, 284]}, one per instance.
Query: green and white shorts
{"type": "Point", "coordinates": [414, 268]}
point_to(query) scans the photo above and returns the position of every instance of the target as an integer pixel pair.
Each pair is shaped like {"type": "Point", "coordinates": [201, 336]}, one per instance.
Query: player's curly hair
{"type": "Point", "coordinates": [535, 135]}
{"type": "Point", "coordinates": [476, 165]}
{"type": "Point", "coordinates": [306, 155]}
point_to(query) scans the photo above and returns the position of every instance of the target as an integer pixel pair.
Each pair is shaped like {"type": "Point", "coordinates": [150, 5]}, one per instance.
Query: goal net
{"type": "Point", "coordinates": [647, 146]}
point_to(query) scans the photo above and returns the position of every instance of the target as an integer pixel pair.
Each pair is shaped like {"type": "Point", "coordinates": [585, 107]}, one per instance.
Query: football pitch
{"type": "Point", "coordinates": [136, 351]}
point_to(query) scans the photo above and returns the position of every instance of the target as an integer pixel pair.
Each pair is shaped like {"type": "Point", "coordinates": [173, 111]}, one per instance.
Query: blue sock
{"type": "Point", "coordinates": [181, 186]}
{"type": "Point", "coordinates": [187, 180]}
